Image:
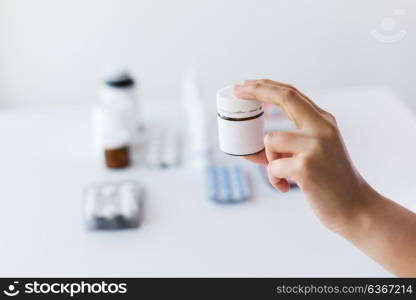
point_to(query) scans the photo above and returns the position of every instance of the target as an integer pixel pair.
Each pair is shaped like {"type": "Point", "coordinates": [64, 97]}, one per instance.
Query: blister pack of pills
{"type": "Point", "coordinates": [109, 206]}
{"type": "Point", "coordinates": [227, 185]}
{"type": "Point", "coordinates": [163, 150]}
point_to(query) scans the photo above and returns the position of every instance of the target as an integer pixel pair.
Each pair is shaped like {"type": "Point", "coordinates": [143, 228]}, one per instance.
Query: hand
{"type": "Point", "coordinates": [313, 155]}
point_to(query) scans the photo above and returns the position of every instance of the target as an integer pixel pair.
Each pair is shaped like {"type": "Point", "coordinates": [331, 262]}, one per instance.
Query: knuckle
{"type": "Point", "coordinates": [330, 117]}
{"type": "Point", "coordinates": [292, 88]}
{"type": "Point", "coordinates": [329, 128]}
{"type": "Point", "coordinates": [288, 93]}
{"type": "Point", "coordinates": [258, 85]}
{"type": "Point", "coordinates": [315, 144]}
{"type": "Point", "coordinates": [305, 162]}
{"type": "Point", "coordinates": [263, 81]}
{"type": "Point", "coordinates": [285, 92]}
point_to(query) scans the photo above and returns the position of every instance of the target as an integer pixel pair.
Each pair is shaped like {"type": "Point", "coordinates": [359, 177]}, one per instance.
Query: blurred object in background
{"type": "Point", "coordinates": [117, 148]}
{"type": "Point", "coordinates": [115, 119]}
{"type": "Point", "coordinates": [163, 147]}
{"type": "Point", "coordinates": [121, 88]}
{"type": "Point", "coordinates": [113, 205]}
{"type": "Point", "coordinates": [197, 131]}
{"type": "Point", "coordinates": [227, 184]}
{"type": "Point", "coordinates": [52, 51]}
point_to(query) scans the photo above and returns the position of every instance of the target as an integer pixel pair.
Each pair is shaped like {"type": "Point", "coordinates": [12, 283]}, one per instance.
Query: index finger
{"type": "Point", "coordinates": [296, 108]}
{"type": "Point", "coordinates": [272, 82]}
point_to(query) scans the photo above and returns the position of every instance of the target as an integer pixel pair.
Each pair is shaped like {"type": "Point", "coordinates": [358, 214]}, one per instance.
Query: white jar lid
{"type": "Point", "coordinates": [232, 107]}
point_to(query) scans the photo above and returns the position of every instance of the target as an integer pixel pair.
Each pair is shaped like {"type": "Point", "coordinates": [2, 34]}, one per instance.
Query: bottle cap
{"type": "Point", "coordinates": [118, 78]}
{"type": "Point", "coordinates": [232, 107]}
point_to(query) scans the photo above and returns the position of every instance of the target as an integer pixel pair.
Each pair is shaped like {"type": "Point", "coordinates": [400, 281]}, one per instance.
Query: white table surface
{"type": "Point", "coordinates": [45, 163]}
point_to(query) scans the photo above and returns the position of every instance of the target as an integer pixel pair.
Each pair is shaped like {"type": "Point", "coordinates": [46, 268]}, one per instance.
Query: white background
{"type": "Point", "coordinates": [55, 51]}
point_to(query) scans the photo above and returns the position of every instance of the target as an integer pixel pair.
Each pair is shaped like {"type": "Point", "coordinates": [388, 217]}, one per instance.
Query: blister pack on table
{"type": "Point", "coordinates": [227, 184]}
{"type": "Point", "coordinates": [109, 206]}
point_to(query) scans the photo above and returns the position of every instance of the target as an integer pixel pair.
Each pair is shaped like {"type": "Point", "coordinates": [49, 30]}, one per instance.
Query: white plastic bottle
{"type": "Point", "coordinates": [240, 124]}
{"type": "Point", "coordinates": [116, 111]}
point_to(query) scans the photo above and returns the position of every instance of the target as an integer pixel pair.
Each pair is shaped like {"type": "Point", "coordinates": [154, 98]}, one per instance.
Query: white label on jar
{"type": "Point", "coordinates": [241, 137]}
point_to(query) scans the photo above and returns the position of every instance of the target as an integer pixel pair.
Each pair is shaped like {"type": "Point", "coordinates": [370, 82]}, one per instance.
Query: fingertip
{"type": "Point", "coordinates": [237, 90]}
{"type": "Point", "coordinates": [285, 190]}
{"type": "Point", "coordinates": [242, 91]}
{"type": "Point", "coordinates": [283, 185]}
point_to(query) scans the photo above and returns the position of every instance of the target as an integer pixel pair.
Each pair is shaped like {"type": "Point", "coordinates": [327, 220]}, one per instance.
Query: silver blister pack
{"type": "Point", "coordinates": [112, 205]}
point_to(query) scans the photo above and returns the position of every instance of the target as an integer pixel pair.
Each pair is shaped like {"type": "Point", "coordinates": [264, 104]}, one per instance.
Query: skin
{"type": "Point", "coordinates": [315, 156]}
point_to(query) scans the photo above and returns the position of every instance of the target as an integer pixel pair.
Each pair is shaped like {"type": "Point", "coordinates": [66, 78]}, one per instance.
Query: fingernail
{"type": "Point", "coordinates": [247, 82]}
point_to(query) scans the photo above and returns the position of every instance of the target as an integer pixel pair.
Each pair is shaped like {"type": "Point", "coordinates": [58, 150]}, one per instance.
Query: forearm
{"type": "Point", "coordinates": [385, 231]}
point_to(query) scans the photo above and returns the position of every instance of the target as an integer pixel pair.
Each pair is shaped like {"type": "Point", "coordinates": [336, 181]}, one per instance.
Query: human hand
{"type": "Point", "coordinates": [313, 155]}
